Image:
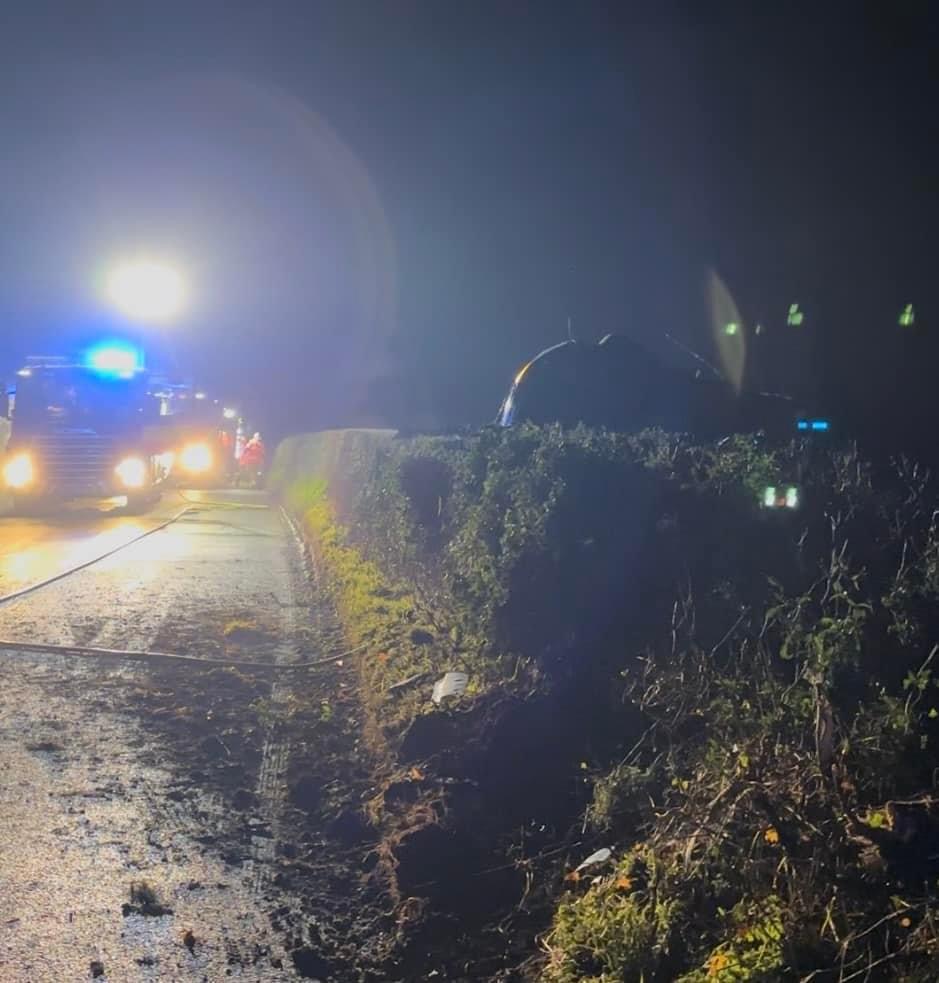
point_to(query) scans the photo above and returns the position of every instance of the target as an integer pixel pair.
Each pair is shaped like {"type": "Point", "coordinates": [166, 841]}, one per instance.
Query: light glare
{"type": "Point", "coordinates": [196, 458]}
{"type": "Point", "coordinates": [146, 290]}
{"type": "Point", "coordinates": [18, 472]}
{"type": "Point", "coordinates": [795, 316]}
{"type": "Point", "coordinates": [114, 359]}
{"type": "Point", "coordinates": [133, 472]}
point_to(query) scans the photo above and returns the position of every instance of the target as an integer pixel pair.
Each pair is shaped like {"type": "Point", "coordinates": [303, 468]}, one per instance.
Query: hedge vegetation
{"type": "Point", "coordinates": [747, 696]}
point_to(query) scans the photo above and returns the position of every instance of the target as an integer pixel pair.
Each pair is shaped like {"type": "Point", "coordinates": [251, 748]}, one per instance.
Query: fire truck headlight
{"type": "Point", "coordinates": [19, 472]}
{"type": "Point", "coordinates": [196, 458]}
{"type": "Point", "coordinates": [133, 472]}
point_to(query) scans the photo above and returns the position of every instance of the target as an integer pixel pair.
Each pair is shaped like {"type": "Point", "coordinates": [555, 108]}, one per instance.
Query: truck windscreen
{"type": "Point", "coordinates": [80, 399]}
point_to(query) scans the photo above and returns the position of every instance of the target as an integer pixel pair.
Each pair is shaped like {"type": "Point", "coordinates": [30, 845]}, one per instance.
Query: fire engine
{"type": "Point", "coordinates": [87, 427]}
{"type": "Point", "coordinates": [205, 436]}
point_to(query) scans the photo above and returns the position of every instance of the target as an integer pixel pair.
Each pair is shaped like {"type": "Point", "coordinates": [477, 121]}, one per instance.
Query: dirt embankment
{"type": "Point", "coordinates": [475, 795]}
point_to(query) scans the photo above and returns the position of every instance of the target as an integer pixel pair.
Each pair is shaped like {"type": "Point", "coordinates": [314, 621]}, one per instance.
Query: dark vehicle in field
{"type": "Point", "coordinates": [84, 429]}
{"type": "Point", "coordinates": [619, 385]}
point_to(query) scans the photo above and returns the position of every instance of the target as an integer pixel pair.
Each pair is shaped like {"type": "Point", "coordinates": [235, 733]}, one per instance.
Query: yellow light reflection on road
{"type": "Point", "coordinates": [20, 567]}
{"type": "Point", "coordinates": [28, 563]}
{"type": "Point", "coordinates": [147, 559]}
{"type": "Point", "coordinates": [88, 549]}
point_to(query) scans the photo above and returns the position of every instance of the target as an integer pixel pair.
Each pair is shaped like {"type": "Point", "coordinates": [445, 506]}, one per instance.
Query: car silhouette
{"type": "Point", "coordinates": [619, 385]}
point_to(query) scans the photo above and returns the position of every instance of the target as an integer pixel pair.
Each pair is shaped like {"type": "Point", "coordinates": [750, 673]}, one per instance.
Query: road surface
{"type": "Point", "coordinates": [163, 820]}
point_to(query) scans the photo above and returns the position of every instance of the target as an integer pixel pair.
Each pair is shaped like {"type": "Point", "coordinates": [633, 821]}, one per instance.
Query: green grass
{"type": "Point", "coordinates": [377, 614]}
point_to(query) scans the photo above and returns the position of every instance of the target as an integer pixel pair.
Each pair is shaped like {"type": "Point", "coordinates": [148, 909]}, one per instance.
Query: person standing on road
{"type": "Point", "coordinates": [253, 458]}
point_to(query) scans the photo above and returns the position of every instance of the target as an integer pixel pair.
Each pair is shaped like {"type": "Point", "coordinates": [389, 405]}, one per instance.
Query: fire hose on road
{"type": "Point", "coordinates": [62, 574]}
{"type": "Point", "coordinates": [44, 648]}
{"type": "Point", "coordinates": [82, 651]}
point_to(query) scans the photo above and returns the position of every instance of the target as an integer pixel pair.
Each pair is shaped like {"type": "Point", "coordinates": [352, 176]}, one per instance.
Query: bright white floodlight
{"type": "Point", "coordinates": [146, 291]}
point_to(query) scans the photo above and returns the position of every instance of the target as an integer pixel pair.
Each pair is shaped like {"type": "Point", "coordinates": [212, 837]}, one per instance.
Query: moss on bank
{"type": "Point", "coordinates": [376, 614]}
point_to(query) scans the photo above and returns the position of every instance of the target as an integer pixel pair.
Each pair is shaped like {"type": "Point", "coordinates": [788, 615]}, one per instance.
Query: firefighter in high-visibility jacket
{"type": "Point", "coordinates": [252, 461]}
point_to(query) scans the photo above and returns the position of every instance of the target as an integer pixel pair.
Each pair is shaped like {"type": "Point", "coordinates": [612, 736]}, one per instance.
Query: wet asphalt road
{"type": "Point", "coordinates": [91, 799]}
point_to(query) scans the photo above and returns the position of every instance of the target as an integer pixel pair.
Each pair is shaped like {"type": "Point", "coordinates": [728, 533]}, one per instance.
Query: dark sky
{"type": "Point", "coordinates": [383, 208]}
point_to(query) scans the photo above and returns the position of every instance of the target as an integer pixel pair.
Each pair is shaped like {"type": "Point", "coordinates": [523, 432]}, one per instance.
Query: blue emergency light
{"type": "Point", "coordinates": [117, 359]}
{"type": "Point", "coordinates": [817, 426]}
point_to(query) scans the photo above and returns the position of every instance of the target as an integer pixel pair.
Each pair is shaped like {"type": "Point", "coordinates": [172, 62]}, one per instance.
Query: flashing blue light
{"type": "Point", "coordinates": [802, 425]}
{"type": "Point", "coordinates": [115, 359]}
{"type": "Point", "coordinates": [819, 425]}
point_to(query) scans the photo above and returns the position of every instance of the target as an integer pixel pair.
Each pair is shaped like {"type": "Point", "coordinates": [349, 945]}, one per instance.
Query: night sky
{"type": "Point", "coordinates": [383, 208]}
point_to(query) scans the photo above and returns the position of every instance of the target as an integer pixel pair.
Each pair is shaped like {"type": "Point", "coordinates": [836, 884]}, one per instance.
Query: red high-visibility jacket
{"type": "Point", "coordinates": [253, 454]}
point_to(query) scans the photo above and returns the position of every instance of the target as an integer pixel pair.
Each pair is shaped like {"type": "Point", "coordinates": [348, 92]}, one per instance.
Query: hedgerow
{"type": "Point", "coordinates": [785, 781]}
{"type": "Point", "coordinates": [748, 695]}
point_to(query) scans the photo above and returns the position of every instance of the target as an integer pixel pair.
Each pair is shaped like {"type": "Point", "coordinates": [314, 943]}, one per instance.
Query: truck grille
{"type": "Point", "coordinates": [76, 461]}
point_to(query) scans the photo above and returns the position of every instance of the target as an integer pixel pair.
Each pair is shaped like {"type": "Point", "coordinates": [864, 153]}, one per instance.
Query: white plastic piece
{"type": "Point", "coordinates": [600, 857]}
{"type": "Point", "coordinates": [450, 684]}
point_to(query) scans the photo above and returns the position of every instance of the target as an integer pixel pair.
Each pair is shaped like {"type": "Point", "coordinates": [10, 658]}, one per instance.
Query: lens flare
{"type": "Point", "coordinates": [729, 339]}
{"type": "Point", "coordinates": [19, 472]}
{"type": "Point", "coordinates": [146, 290]}
{"type": "Point", "coordinates": [196, 458]}
{"type": "Point", "coordinates": [133, 472]}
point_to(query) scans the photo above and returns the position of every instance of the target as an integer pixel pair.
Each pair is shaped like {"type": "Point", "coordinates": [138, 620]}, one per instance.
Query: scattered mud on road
{"type": "Point", "coordinates": [181, 822]}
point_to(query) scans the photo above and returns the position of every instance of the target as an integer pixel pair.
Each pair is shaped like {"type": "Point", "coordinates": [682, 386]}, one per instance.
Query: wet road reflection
{"type": "Point", "coordinates": [33, 549]}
